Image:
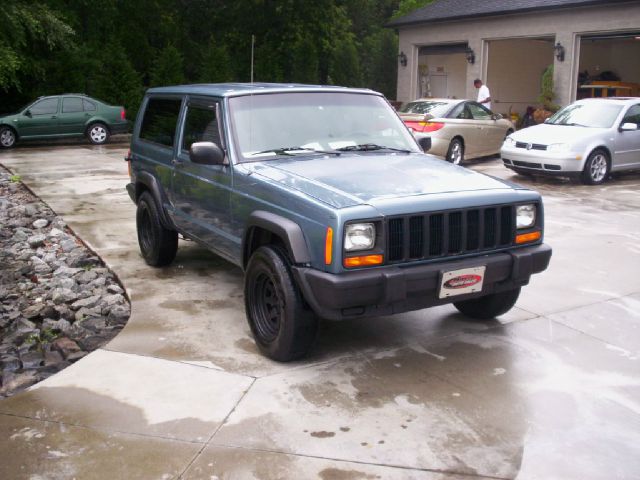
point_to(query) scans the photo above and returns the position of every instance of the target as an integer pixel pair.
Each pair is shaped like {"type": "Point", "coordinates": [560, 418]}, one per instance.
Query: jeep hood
{"type": "Point", "coordinates": [356, 179]}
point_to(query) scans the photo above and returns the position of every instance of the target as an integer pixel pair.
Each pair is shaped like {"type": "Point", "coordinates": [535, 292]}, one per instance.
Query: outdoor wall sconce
{"type": "Point", "coordinates": [471, 56]}
{"type": "Point", "coordinates": [558, 49]}
{"type": "Point", "coordinates": [402, 58]}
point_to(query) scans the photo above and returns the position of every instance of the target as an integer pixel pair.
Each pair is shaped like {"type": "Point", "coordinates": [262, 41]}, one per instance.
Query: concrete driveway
{"type": "Point", "coordinates": [551, 390]}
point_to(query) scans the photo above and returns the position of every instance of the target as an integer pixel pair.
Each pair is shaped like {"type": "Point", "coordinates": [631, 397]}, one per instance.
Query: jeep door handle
{"type": "Point", "coordinates": [177, 162]}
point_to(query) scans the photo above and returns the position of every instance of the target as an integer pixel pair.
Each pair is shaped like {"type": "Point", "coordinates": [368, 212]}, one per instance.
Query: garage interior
{"type": "Point", "coordinates": [442, 71]}
{"type": "Point", "coordinates": [514, 72]}
{"type": "Point", "coordinates": [609, 65]}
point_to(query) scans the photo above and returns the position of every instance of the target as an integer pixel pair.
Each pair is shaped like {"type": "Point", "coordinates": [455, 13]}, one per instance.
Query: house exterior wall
{"type": "Point", "coordinates": [565, 26]}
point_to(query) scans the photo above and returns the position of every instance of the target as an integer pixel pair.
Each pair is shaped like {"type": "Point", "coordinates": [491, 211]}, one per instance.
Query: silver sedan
{"type": "Point", "coordinates": [588, 139]}
{"type": "Point", "coordinates": [458, 129]}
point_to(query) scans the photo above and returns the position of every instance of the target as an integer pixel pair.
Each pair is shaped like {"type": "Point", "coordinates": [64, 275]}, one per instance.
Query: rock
{"type": "Point", "coordinates": [40, 266]}
{"type": "Point", "coordinates": [95, 324]}
{"type": "Point", "coordinates": [76, 356]}
{"type": "Point", "coordinates": [40, 223]}
{"type": "Point", "coordinates": [88, 302]}
{"type": "Point", "coordinates": [93, 342]}
{"type": "Point", "coordinates": [65, 312]}
{"type": "Point", "coordinates": [61, 325]}
{"type": "Point", "coordinates": [119, 314]}
{"type": "Point", "coordinates": [18, 382]}
{"type": "Point", "coordinates": [36, 241]}
{"type": "Point", "coordinates": [114, 288]}
{"type": "Point", "coordinates": [86, 277]}
{"type": "Point", "coordinates": [115, 299]}
{"type": "Point", "coordinates": [9, 363]}
{"type": "Point", "coordinates": [32, 360]}
{"type": "Point", "coordinates": [66, 272]}
{"type": "Point", "coordinates": [63, 295]}
{"type": "Point", "coordinates": [65, 346]}
{"type": "Point", "coordinates": [87, 312]}
{"type": "Point", "coordinates": [55, 232]}
{"type": "Point", "coordinates": [52, 358]}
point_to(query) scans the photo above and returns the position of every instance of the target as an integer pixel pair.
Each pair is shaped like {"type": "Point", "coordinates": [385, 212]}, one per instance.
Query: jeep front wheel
{"type": "Point", "coordinates": [489, 306]}
{"type": "Point", "coordinates": [158, 244]}
{"type": "Point", "coordinates": [283, 327]}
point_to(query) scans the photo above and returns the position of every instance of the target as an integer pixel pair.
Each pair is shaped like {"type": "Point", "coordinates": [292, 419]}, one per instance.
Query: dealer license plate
{"type": "Point", "coordinates": [461, 282]}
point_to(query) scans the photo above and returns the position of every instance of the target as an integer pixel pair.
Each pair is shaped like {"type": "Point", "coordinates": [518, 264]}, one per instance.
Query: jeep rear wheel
{"type": "Point", "coordinates": [489, 306]}
{"type": "Point", "coordinates": [158, 244]}
{"type": "Point", "coordinates": [283, 327]}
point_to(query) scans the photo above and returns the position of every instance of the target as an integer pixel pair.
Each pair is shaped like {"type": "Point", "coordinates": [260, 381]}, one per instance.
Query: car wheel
{"type": "Point", "coordinates": [596, 168]}
{"type": "Point", "coordinates": [7, 137]}
{"type": "Point", "coordinates": [98, 133]}
{"type": "Point", "coordinates": [489, 306]}
{"type": "Point", "coordinates": [283, 327]}
{"type": "Point", "coordinates": [455, 154]}
{"type": "Point", "coordinates": [158, 244]}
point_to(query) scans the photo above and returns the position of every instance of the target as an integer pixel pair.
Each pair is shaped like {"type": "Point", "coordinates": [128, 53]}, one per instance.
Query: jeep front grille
{"type": "Point", "coordinates": [455, 232]}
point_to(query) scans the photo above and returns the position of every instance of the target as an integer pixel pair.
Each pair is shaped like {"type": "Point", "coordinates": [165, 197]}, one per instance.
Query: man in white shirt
{"type": "Point", "coordinates": [484, 96]}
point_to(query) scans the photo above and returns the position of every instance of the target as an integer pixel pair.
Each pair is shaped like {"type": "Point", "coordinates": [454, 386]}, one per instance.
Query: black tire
{"type": "Point", "coordinates": [489, 306]}
{"type": "Point", "coordinates": [8, 137]}
{"type": "Point", "coordinates": [283, 327]}
{"type": "Point", "coordinates": [455, 153]}
{"type": "Point", "coordinates": [596, 168]}
{"type": "Point", "coordinates": [158, 244]}
{"type": "Point", "coordinates": [98, 133]}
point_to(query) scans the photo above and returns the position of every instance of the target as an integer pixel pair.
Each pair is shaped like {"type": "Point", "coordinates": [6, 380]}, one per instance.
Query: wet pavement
{"type": "Point", "coordinates": [550, 390]}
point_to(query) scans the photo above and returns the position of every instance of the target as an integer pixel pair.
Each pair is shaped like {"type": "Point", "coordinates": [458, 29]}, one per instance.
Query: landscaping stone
{"type": "Point", "coordinates": [58, 301]}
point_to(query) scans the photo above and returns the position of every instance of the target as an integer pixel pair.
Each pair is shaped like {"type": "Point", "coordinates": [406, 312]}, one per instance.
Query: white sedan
{"type": "Point", "coordinates": [588, 139]}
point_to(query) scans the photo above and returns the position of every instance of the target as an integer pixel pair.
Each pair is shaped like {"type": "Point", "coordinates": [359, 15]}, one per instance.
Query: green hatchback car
{"type": "Point", "coordinates": [59, 116]}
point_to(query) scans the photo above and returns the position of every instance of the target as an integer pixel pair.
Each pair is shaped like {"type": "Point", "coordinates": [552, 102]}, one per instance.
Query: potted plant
{"type": "Point", "coordinates": [545, 99]}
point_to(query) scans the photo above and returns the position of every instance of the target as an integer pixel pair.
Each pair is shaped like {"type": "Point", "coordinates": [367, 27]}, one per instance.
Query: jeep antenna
{"type": "Point", "coordinates": [253, 41]}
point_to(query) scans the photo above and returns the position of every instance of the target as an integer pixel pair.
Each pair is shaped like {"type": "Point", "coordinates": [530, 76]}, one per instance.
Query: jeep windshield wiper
{"type": "Point", "coordinates": [291, 151]}
{"type": "Point", "coordinates": [369, 147]}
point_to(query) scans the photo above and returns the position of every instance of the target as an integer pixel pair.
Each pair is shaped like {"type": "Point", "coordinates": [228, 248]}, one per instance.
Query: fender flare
{"type": "Point", "coordinates": [289, 231]}
{"type": "Point", "coordinates": [157, 192]}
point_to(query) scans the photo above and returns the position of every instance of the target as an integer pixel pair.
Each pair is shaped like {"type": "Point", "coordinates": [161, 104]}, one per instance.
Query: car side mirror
{"type": "Point", "coordinates": [207, 153]}
{"type": "Point", "coordinates": [27, 113]}
{"type": "Point", "coordinates": [425, 143]}
{"type": "Point", "coordinates": [628, 127]}
{"type": "Point", "coordinates": [496, 116]}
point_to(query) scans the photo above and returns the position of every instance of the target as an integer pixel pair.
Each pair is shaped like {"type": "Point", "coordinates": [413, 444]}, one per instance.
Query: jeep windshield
{"type": "Point", "coordinates": [265, 126]}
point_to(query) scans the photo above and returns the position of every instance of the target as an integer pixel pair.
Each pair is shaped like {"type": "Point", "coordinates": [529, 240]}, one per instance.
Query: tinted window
{"type": "Point", "coordinates": [159, 122]}
{"type": "Point", "coordinates": [45, 107]}
{"type": "Point", "coordinates": [71, 105]}
{"type": "Point", "coordinates": [436, 109]}
{"type": "Point", "coordinates": [88, 106]}
{"type": "Point", "coordinates": [478, 112]}
{"type": "Point", "coordinates": [632, 116]}
{"type": "Point", "coordinates": [200, 125]}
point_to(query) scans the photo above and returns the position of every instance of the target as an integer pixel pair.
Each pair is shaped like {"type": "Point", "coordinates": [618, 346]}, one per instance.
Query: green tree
{"type": "Point", "coordinates": [215, 66]}
{"type": "Point", "coordinates": [28, 31]}
{"type": "Point", "coordinates": [405, 7]}
{"type": "Point", "coordinates": [167, 68]}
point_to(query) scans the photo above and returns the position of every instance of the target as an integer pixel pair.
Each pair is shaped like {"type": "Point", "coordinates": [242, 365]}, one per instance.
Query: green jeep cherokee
{"type": "Point", "coordinates": [325, 200]}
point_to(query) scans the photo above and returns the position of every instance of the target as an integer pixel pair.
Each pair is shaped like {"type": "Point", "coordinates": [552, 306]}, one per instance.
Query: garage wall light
{"type": "Point", "coordinates": [558, 49]}
{"type": "Point", "coordinates": [402, 58]}
{"type": "Point", "coordinates": [470, 55]}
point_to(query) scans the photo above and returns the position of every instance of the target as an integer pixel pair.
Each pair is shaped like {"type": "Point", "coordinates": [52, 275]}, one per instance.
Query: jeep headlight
{"type": "Point", "coordinates": [359, 236]}
{"type": "Point", "coordinates": [525, 216]}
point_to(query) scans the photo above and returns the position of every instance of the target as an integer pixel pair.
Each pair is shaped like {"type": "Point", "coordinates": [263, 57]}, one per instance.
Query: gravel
{"type": "Point", "coordinates": [58, 301]}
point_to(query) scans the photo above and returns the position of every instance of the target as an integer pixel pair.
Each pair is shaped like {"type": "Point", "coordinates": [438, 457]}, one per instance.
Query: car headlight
{"type": "Point", "coordinates": [359, 236]}
{"type": "Point", "coordinates": [509, 142]}
{"type": "Point", "coordinates": [558, 147]}
{"type": "Point", "coordinates": [525, 216]}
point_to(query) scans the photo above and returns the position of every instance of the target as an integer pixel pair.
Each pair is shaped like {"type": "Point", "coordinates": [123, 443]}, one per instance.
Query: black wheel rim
{"type": "Point", "coordinates": [145, 230]}
{"type": "Point", "coordinates": [267, 308]}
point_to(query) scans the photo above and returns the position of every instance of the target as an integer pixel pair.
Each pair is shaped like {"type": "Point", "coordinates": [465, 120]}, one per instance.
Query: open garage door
{"type": "Point", "coordinates": [514, 72]}
{"type": "Point", "coordinates": [609, 65]}
{"type": "Point", "coordinates": [442, 71]}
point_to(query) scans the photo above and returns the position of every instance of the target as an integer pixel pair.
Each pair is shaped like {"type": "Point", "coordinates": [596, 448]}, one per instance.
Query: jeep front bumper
{"type": "Point", "coordinates": [402, 288]}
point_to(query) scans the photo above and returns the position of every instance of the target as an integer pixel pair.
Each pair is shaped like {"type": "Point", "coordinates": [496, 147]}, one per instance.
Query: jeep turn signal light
{"type": "Point", "coordinates": [328, 246]}
{"type": "Point", "coordinates": [365, 261]}
{"type": "Point", "coordinates": [528, 237]}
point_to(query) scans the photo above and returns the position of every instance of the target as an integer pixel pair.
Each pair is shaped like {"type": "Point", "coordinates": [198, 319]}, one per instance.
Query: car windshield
{"type": "Point", "coordinates": [436, 109]}
{"type": "Point", "coordinates": [267, 126]}
{"type": "Point", "coordinates": [592, 115]}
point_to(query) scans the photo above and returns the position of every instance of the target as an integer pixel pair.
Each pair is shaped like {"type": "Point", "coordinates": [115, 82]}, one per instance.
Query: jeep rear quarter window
{"type": "Point", "coordinates": [160, 119]}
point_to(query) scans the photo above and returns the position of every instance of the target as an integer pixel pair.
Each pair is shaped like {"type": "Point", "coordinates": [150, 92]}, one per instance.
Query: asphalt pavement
{"type": "Point", "coordinates": [550, 390]}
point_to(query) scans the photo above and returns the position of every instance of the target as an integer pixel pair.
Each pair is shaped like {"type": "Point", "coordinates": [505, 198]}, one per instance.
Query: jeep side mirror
{"type": "Point", "coordinates": [206, 153]}
{"type": "Point", "coordinates": [628, 126]}
{"type": "Point", "coordinates": [425, 143]}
